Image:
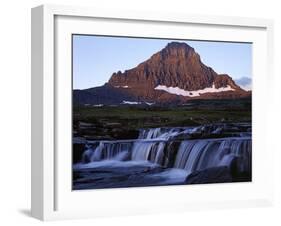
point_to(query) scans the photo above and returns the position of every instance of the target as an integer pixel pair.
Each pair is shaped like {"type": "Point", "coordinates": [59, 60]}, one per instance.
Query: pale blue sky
{"type": "Point", "coordinates": [95, 58]}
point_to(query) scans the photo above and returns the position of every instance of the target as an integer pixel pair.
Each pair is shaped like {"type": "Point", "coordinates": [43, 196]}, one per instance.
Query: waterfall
{"type": "Point", "coordinates": [161, 133]}
{"type": "Point", "coordinates": [104, 150]}
{"type": "Point", "coordinates": [150, 133]}
{"type": "Point", "coordinates": [191, 155]}
{"type": "Point", "coordinates": [152, 151]}
{"type": "Point", "coordinates": [141, 150]}
{"type": "Point", "coordinates": [166, 156]}
{"type": "Point", "coordinates": [196, 155]}
{"type": "Point", "coordinates": [156, 146]}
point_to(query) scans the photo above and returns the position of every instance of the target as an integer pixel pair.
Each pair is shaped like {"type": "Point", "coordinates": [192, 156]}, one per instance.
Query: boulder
{"type": "Point", "coordinates": [220, 174]}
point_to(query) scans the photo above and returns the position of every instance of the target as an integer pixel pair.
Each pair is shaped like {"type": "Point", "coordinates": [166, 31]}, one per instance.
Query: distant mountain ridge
{"type": "Point", "coordinates": [175, 74]}
{"type": "Point", "coordinates": [245, 83]}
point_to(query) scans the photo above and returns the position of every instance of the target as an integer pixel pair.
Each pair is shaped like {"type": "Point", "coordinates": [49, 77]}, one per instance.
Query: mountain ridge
{"type": "Point", "coordinates": [176, 66]}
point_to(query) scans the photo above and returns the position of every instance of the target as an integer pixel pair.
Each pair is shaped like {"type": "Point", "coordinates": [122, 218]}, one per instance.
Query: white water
{"type": "Point", "coordinates": [152, 151]}
{"type": "Point", "coordinates": [104, 150]}
{"type": "Point", "coordinates": [202, 154]}
{"type": "Point", "coordinates": [163, 133]}
{"type": "Point", "coordinates": [154, 146]}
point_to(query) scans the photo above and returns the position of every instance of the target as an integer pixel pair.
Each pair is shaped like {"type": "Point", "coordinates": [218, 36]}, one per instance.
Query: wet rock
{"type": "Point", "coordinates": [218, 130]}
{"type": "Point", "coordinates": [79, 140]}
{"type": "Point", "coordinates": [236, 170]}
{"type": "Point", "coordinates": [220, 174]}
{"type": "Point", "coordinates": [120, 133]}
{"type": "Point", "coordinates": [182, 136]}
{"type": "Point", "coordinates": [97, 137]}
{"type": "Point", "coordinates": [240, 170]}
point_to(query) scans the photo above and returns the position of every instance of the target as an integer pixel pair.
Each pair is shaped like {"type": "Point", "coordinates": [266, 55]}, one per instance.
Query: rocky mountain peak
{"type": "Point", "coordinates": [176, 51]}
{"type": "Point", "coordinates": [175, 73]}
{"type": "Point", "coordinates": [176, 65]}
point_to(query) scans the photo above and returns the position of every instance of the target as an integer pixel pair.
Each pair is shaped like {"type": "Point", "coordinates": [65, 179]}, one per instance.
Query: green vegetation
{"type": "Point", "coordinates": [125, 119]}
{"type": "Point", "coordinates": [150, 117]}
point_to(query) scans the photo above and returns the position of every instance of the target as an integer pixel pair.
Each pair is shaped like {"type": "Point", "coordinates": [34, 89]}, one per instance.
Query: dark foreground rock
{"type": "Point", "coordinates": [78, 150]}
{"type": "Point", "coordinates": [219, 174]}
{"type": "Point", "coordinates": [240, 170]}
{"type": "Point", "coordinates": [118, 177]}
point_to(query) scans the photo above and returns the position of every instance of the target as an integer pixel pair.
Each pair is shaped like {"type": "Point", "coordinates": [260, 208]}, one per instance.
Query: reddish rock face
{"type": "Point", "coordinates": [177, 65]}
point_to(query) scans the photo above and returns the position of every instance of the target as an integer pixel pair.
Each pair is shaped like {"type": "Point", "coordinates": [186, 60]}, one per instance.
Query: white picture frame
{"type": "Point", "coordinates": [52, 197]}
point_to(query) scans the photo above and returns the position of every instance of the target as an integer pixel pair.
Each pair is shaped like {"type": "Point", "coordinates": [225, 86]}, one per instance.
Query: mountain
{"type": "Point", "coordinates": [175, 74]}
{"type": "Point", "coordinates": [245, 83]}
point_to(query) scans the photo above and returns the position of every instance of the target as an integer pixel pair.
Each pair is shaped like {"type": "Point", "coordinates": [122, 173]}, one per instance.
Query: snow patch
{"type": "Point", "coordinates": [194, 93]}
{"type": "Point", "coordinates": [135, 102]}
{"type": "Point", "coordinates": [125, 87]}
{"type": "Point", "coordinates": [98, 105]}
{"type": "Point", "coordinates": [130, 102]}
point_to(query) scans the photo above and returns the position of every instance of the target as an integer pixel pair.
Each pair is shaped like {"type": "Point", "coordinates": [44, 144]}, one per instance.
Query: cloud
{"type": "Point", "coordinates": [245, 83]}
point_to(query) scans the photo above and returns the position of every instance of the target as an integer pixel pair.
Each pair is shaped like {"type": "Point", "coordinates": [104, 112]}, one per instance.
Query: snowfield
{"type": "Point", "coordinates": [130, 102]}
{"type": "Point", "coordinates": [134, 102]}
{"type": "Point", "coordinates": [194, 93]}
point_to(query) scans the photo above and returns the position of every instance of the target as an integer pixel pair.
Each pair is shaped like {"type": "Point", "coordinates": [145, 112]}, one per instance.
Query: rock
{"type": "Point", "coordinates": [241, 170]}
{"type": "Point", "coordinates": [98, 137]}
{"type": "Point", "coordinates": [220, 174]}
{"type": "Point", "coordinates": [237, 170]}
{"type": "Point", "coordinates": [77, 152]}
{"type": "Point", "coordinates": [113, 124]}
{"type": "Point", "coordinates": [86, 125]}
{"type": "Point", "coordinates": [177, 65]}
{"type": "Point", "coordinates": [218, 130]}
{"type": "Point", "coordinates": [124, 133]}
{"type": "Point", "coordinates": [182, 136]}
{"type": "Point", "coordinates": [79, 140]}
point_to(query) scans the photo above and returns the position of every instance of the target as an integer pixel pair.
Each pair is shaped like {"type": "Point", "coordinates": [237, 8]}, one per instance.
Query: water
{"type": "Point", "coordinates": [158, 157]}
{"type": "Point", "coordinates": [202, 154]}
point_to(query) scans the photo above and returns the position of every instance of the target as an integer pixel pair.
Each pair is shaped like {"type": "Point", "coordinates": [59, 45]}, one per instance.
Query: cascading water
{"type": "Point", "coordinates": [162, 133]}
{"type": "Point", "coordinates": [155, 146]}
{"type": "Point", "coordinates": [152, 151]}
{"type": "Point", "coordinates": [162, 156]}
{"type": "Point", "coordinates": [197, 155]}
{"type": "Point", "coordinates": [104, 150]}
{"type": "Point", "coordinates": [150, 133]}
